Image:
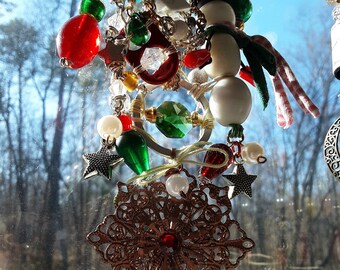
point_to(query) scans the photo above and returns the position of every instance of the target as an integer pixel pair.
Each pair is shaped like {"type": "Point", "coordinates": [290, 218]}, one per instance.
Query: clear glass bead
{"type": "Point", "coordinates": [152, 58]}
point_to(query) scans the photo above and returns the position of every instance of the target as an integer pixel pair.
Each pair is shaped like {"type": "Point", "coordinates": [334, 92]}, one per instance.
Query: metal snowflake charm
{"type": "Point", "coordinates": [101, 162]}
{"type": "Point", "coordinates": [152, 230]}
{"type": "Point", "coordinates": [331, 150]}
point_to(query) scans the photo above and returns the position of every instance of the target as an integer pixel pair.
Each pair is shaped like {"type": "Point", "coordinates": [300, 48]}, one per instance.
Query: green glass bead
{"type": "Point", "coordinates": [173, 119]}
{"type": "Point", "coordinates": [243, 9]}
{"type": "Point", "coordinates": [137, 30]}
{"type": "Point", "coordinates": [132, 147]}
{"type": "Point", "coordinates": [94, 7]}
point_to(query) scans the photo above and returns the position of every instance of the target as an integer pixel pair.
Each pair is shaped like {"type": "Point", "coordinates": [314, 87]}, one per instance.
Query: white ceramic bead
{"type": "Point", "coordinates": [198, 76]}
{"type": "Point", "coordinates": [225, 55]}
{"type": "Point", "coordinates": [218, 12]}
{"type": "Point", "coordinates": [181, 30]}
{"type": "Point", "coordinates": [109, 127]}
{"type": "Point", "coordinates": [251, 152]}
{"type": "Point", "coordinates": [230, 101]}
{"type": "Point", "coordinates": [175, 184]}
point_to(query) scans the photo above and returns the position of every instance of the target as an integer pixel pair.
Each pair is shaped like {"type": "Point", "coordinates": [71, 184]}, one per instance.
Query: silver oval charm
{"type": "Point", "coordinates": [331, 151]}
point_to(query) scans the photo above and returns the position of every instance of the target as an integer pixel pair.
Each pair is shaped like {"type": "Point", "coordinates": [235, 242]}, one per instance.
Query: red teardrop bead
{"type": "Point", "coordinates": [197, 58]}
{"type": "Point", "coordinates": [126, 121]}
{"type": "Point", "coordinates": [78, 40]}
{"type": "Point", "coordinates": [214, 157]}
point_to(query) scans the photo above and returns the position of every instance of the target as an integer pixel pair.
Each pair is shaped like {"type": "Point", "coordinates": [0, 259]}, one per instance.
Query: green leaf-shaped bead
{"type": "Point", "coordinates": [96, 8]}
{"type": "Point", "coordinates": [243, 9]}
{"type": "Point", "coordinates": [173, 119]}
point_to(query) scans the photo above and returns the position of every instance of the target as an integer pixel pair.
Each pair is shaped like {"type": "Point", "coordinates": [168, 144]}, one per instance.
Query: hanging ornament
{"type": "Point", "coordinates": [132, 147]}
{"type": "Point", "coordinates": [214, 157]}
{"type": "Point", "coordinates": [94, 7]}
{"type": "Point", "coordinates": [101, 162]}
{"type": "Point", "coordinates": [78, 41]}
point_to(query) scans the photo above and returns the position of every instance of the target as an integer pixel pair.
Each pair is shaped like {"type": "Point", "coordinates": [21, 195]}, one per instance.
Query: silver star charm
{"type": "Point", "coordinates": [241, 181]}
{"type": "Point", "coordinates": [101, 163]}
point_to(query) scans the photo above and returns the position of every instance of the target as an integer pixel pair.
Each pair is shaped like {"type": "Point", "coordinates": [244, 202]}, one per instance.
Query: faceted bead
{"type": "Point", "coordinates": [152, 58]}
{"type": "Point", "coordinates": [116, 20]}
{"type": "Point", "coordinates": [243, 9]}
{"type": "Point", "coordinates": [169, 242]}
{"type": "Point", "coordinates": [78, 41]}
{"type": "Point", "coordinates": [173, 119]}
{"type": "Point", "coordinates": [197, 58]}
{"type": "Point", "coordinates": [126, 121]}
{"type": "Point", "coordinates": [130, 80]}
{"type": "Point", "coordinates": [94, 7]}
{"type": "Point", "coordinates": [138, 31]}
{"type": "Point", "coordinates": [132, 147]}
{"type": "Point", "coordinates": [216, 158]}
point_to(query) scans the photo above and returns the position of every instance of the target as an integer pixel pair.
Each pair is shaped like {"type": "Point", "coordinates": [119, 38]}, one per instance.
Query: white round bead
{"type": "Point", "coordinates": [175, 184]}
{"type": "Point", "coordinates": [109, 127]}
{"type": "Point", "coordinates": [218, 12]}
{"type": "Point", "coordinates": [181, 30]}
{"type": "Point", "coordinates": [198, 76]}
{"type": "Point", "coordinates": [230, 101]}
{"type": "Point", "coordinates": [251, 152]}
{"type": "Point", "coordinates": [225, 55]}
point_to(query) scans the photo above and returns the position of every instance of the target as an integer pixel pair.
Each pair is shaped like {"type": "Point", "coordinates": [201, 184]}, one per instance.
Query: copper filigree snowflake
{"type": "Point", "coordinates": [152, 230]}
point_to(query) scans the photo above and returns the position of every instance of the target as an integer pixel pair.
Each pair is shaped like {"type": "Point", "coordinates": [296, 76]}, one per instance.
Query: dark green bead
{"type": "Point", "coordinates": [137, 30]}
{"type": "Point", "coordinates": [132, 147]}
{"type": "Point", "coordinates": [173, 119]}
{"type": "Point", "coordinates": [94, 7]}
{"type": "Point", "coordinates": [243, 9]}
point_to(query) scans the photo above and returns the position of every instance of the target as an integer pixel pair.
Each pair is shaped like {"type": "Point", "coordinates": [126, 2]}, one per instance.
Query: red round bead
{"type": "Point", "coordinates": [198, 58]}
{"type": "Point", "coordinates": [78, 41]}
{"type": "Point", "coordinates": [169, 240]}
{"type": "Point", "coordinates": [126, 121]}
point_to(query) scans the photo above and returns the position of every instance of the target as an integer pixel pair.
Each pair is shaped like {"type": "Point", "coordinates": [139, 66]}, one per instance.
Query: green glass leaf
{"type": "Point", "coordinates": [173, 119]}
{"type": "Point", "coordinates": [132, 147]}
{"type": "Point", "coordinates": [94, 7]}
{"type": "Point", "coordinates": [243, 9]}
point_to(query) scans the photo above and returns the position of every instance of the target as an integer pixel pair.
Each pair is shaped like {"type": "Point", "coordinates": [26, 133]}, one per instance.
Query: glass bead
{"type": "Point", "coordinates": [173, 119]}
{"type": "Point", "coordinates": [175, 184]}
{"type": "Point", "coordinates": [216, 158]}
{"type": "Point", "coordinates": [78, 41]}
{"type": "Point", "coordinates": [243, 9]}
{"type": "Point", "coordinates": [126, 121]}
{"type": "Point", "coordinates": [197, 58]}
{"type": "Point", "coordinates": [137, 30]}
{"type": "Point", "coordinates": [130, 80]}
{"type": "Point", "coordinates": [117, 21]}
{"type": "Point", "coordinates": [169, 242]}
{"type": "Point", "coordinates": [152, 58]}
{"type": "Point", "coordinates": [132, 147]}
{"type": "Point", "coordinates": [94, 7]}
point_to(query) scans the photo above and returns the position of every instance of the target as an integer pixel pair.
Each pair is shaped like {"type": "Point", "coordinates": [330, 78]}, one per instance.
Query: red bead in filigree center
{"type": "Point", "coordinates": [169, 241]}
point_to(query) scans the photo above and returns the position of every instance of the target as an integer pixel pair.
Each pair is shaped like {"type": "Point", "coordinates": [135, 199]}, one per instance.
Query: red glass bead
{"type": "Point", "coordinates": [246, 74]}
{"type": "Point", "coordinates": [169, 240]}
{"type": "Point", "coordinates": [198, 58]}
{"type": "Point", "coordinates": [214, 157]}
{"type": "Point", "coordinates": [78, 41]}
{"type": "Point", "coordinates": [126, 121]}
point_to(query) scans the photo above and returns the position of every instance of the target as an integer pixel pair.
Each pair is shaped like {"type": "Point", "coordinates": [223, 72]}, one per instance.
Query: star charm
{"type": "Point", "coordinates": [112, 53]}
{"type": "Point", "coordinates": [241, 181]}
{"type": "Point", "coordinates": [101, 163]}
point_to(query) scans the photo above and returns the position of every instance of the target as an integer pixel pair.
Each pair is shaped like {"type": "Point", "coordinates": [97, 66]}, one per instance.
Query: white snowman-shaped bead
{"type": "Point", "coordinates": [230, 101]}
